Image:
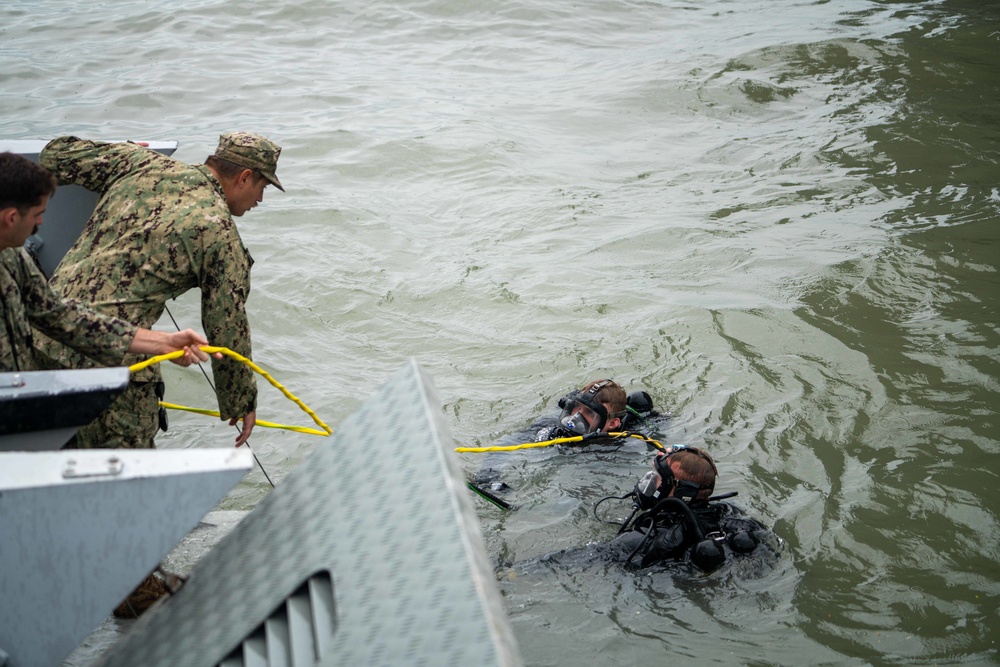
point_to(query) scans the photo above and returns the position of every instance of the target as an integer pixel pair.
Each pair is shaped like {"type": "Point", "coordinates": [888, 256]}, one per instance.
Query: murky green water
{"type": "Point", "coordinates": [779, 218]}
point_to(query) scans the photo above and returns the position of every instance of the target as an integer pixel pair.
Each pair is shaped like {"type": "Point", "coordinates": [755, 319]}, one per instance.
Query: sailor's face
{"type": "Point", "coordinates": [247, 192]}
{"type": "Point", "coordinates": [21, 226]}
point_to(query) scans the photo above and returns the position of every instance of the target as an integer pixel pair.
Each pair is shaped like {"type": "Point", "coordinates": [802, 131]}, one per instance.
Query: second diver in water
{"type": "Point", "coordinates": [676, 519]}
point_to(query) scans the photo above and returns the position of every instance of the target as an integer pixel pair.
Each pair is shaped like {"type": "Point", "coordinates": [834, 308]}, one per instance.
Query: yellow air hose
{"type": "Point", "coordinates": [210, 349]}
{"type": "Point", "coordinates": [557, 441]}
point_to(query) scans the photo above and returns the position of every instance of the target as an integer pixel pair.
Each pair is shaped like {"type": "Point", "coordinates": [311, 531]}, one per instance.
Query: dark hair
{"type": "Point", "coordinates": [22, 182]}
{"type": "Point", "coordinates": [228, 169]}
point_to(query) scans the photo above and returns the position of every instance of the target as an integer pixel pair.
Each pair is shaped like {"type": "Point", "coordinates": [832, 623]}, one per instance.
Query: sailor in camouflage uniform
{"type": "Point", "coordinates": [26, 300]}
{"type": "Point", "coordinates": [160, 228]}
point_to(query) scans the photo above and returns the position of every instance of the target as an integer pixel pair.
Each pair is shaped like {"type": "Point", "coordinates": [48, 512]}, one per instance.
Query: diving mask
{"type": "Point", "coordinates": [647, 490]}
{"type": "Point", "coordinates": [580, 419]}
{"type": "Point", "coordinates": [582, 413]}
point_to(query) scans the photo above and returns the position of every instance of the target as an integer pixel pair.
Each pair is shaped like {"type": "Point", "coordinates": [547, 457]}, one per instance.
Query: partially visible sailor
{"type": "Point", "coordinates": [27, 302]}
{"type": "Point", "coordinates": [160, 228]}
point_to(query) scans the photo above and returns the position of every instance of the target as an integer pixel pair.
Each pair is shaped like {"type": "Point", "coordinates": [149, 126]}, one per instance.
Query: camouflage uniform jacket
{"type": "Point", "coordinates": [26, 301]}
{"type": "Point", "coordinates": [160, 228]}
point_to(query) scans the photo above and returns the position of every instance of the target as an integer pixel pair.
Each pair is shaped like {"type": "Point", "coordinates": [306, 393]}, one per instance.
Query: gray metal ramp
{"type": "Point", "coordinates": [41, 410]}
{"type": "Point", "coordinates": [80, 529]}
{"type": "Point", "coordinates": [368, 553]}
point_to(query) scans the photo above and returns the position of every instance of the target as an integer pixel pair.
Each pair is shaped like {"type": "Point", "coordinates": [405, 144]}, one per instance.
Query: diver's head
{"type": "Point", "coordinates": [683, 472]}
{"type": "Point", "coordinates": [596, 408]}
{"type": "Point", "coordinates": [638, 407]}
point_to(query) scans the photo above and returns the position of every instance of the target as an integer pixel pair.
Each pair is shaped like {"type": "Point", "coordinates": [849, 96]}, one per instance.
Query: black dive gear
{"type": "Point", "coordinates": [638, 408]}
{"type": "Point", "coordinates": [743, 541]}
{"type": "Point", "coordinates": [704, 534]}
{"type": "Point", "coordinates": [582, 413]}
{"type": "Point", "coordinates": [681, 526]}
{"type": "Point", "coordinates": [672, 540]}
{"type": "Point", "coordinates": [708, 555]}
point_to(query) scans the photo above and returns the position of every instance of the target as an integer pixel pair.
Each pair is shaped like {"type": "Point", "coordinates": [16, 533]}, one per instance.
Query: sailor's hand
{"type": "Point", "coordinates": [189, 341]}
{"type": "Point", "coordinates": [192, 355]}
{"type": "Point", "coordinates": [147, 341]}
{"type": "Point", "coordinates": [249, 421]}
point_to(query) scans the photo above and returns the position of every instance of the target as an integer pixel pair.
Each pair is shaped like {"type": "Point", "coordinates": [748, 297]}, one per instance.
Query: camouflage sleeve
{"type": "Point", "coordinates": [83, 162]}
{"type": "Point", "coordinates": [225, 286]}
{"type": "Point", "coordinates": [103, 338]}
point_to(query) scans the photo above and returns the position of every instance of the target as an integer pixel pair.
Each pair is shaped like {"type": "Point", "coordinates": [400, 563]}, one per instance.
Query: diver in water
{"type": "Point", "coordinates": [598, 407]}
{"type": "Point", "coordinates": [676, 519]}
{"type": "Point", "coordinates": [680, 520]}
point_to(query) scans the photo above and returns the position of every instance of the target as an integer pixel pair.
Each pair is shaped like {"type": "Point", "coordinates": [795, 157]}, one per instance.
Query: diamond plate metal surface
{"type": "Point", "coordinates": [382, 506]}
{"type": "Point", "coordinates": [80, 529]}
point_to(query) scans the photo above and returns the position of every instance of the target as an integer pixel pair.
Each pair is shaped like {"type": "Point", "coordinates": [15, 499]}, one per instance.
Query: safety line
{"type": "Point", "coordinates": [259, 422]}
{"type": "Point", "coordinates": [211, 349]}
{"type": "Point", "coordinates": [558, 441]}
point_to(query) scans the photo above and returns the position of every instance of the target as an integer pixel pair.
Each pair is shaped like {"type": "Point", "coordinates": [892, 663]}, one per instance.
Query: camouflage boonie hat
{"type": "Point", "coordinates": [253, 152]}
